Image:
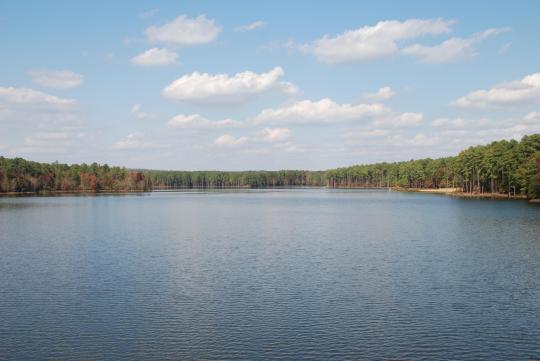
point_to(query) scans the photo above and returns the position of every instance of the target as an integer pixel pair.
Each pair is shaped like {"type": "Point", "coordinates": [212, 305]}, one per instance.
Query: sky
{"type": "Point", "coordinates": [246, 85]}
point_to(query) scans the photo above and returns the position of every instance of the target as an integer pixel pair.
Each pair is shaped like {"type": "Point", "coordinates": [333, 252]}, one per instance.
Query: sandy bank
{"type": "Point", "coordinates": [457, 192]}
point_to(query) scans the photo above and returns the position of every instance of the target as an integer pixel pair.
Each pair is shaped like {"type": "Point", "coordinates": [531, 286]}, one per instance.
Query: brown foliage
{"type": "Point", "coordinates": [89, 181]}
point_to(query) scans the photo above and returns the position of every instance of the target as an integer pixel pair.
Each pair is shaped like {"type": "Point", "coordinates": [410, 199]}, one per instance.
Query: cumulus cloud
{"type": "Point", "coordinates": [275, 134]}
{"type": "Point", "coordinates": [422, 139]}
{"type": "Point", "coordinates": [230, 140]}
{"type": "Point", "coordinates": [464, 132]}
{"type": "Point", "coordinates": [25, 110]}
{"type": "Point", "coordinates": [56, 79]}
{"type": "Point", "coordinates": [184, 31]}
{"type": "Point", "coordinates": [196, 121]}
{"type": "Point", "coordinates": [369, 134]}
{"type": "Point", "coordinates": [35, 122]}
{"type": "Point", "coordinates": [43, 137]}
{"type": "Point", "coordinates": [134, 141]}
{"type": "Point", "coordinates": [11, 97]}
{"type": "Point", "coordinates": [401, 120]}
{"type": "Point", "coordinates": [373, 42]}
{"type": "Point", "coordinates": [322, 111]}
{"type": "Point", "coordinates": [248, 27]}
{"type": "Point", "coordinates": [156, 57]}
{"type": "Point", "coordinates": [461, 136]}
{"type": "Point", "coordinates": [290, 147]}
{"type": "Point", "coordinates": [225, 89]}
{"type": "Point", "coordinates": [52, 142]}
{"type": "Point", "coordinates": [52, 139]}
{"type": "Point", "coordinates": [532, 118]}
{"type": "Point", "coordinates": [451, 50]}
{"type": "Point", "coordinates": [526, 90]}
{"type": "Point", "coordinates": [137, 112]}
{"type": "Point", "coordinates": [383, 93]}
{"type": "Point", "coordinates": [460, 123]}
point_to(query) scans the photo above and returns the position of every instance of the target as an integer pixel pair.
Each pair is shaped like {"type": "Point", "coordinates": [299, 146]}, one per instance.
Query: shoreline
{"type": "Point", "coordinates": [458, 193]}
{"type": "Point", "coordinates": [451, 192]}
{"type": "Point", "coordinates": [54, 193]}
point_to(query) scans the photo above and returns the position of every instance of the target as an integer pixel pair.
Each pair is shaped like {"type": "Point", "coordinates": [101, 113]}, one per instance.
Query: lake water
{"type": "Point", "coordinates": [288, 274]}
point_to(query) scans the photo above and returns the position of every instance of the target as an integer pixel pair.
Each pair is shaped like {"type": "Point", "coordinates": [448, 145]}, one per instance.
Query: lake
{"type": "Point", "coordinates": [269, 274]}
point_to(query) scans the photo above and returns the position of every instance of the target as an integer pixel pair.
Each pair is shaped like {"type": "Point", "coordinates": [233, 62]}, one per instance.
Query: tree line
{"type": "Point", "coordinates": [20, 175]}
{"type": "Point", "coordinates": [509, 167]}
{"type": "Point", "coordinates": [245, 179]}
{"type": "Point", "coordinates": [500, 167]}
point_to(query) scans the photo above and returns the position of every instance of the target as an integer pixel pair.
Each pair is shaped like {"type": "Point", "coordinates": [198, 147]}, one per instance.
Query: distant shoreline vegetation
{"type": "Point", "coordinates": [503, 167]}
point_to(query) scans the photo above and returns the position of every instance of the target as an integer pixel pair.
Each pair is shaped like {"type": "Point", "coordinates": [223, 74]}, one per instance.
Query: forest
{"type": "Point", "coordinates": [509, 167]}
{"type": "Point", "coordinates": [19, 175]}
{"type": "Point", "coordinates": [503, 167]}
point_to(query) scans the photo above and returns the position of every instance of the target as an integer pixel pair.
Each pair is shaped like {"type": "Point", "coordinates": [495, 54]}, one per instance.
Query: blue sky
{"type": "Point", "coordinates": [264, 85]}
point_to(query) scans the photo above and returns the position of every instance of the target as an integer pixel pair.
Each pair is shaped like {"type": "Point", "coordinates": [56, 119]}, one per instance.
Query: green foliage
{"type": "Point", "coordinates": [500, 167]}
{"type": "Point", "coordinates": [19, 175]}
{"type": "Point", "coordinates": [248, 179]}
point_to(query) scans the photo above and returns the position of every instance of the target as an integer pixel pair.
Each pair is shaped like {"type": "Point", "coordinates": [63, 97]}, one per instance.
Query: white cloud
{"type": "Point", "coordinates": [322, 111]}
{"type": "Point", "coordinates": [37, 123]}
{"type": "Point", "coordinates": [408, 119]}
{"type": "Point", "coordinates": [271, 135]}
{"type": "Point", "coordinates": [397, 120]}
{"type": "Point", "coordinates": [52, 142]}
{"type": "Point", "coordinates": [39, 138]}
{"type": "Point", "coordinates": [526, 90]}
{"type": "Point", "coordinates": [451, 50]}
{"type": "Point", "coordinates": [458, 136]}
{"type": "Point", "coordinates": [134, 141]}
{"type": "Point", "coordinates": [138, 113]}
{"type": "Point", "coordinates": [225, 89]}
{"type": "Point", "coordinates": [58, 139]}
{"type": "Point", "coordinates": [196, 121]}
{"type": "Point", "coordinates": [373, 42]}
{"type": "Point", "coordinates": [290, 147]}
{"type": "Point", "coordinates": [383, 93]}
{"type": "Point", "coordinates": [56, 79]}
{"type": "Point", "coordinates": [275, 134]}
{"type": "Point", "coordinates": [255, 25]}
{"type": "Point", "coordinates": [53, 120]}
{"type": "Point", "coordinates": [422, 139]}
{"type": "Point", "coordinates": [368, 134]}
{"type": "Point", "coordinates": [28, 98]}
{"type": "Point", "coordinates": [230, 140]}
{"type": "Point", "coordinates": [184, 31]}
{"type": "Point", "coordinates": [460, 123]}
{"type": "Point", "coordinates": [532, 118]}
{"type": "Point", "coordinates": [156, 57]}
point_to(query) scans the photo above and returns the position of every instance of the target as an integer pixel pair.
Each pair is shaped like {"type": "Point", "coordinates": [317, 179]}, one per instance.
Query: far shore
{"type": "Point", "coordinates": [79, 192]}
{"type": "Point", "coordinates": [452, 192]}
{"type": "Point", "coordinates": [457, 192]}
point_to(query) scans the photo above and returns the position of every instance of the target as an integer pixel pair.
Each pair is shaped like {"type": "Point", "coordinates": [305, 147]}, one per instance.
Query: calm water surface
{"type": "Point", "coordinates": [289, 274]}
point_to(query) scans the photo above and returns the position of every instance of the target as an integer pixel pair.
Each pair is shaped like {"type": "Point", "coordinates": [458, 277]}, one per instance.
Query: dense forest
{"type": "Point", "coordinates": [508, 167]}
{"type": "Point", "coordinates": [250, 179]}
{"type": "Point", "coordinates": [19, 175]}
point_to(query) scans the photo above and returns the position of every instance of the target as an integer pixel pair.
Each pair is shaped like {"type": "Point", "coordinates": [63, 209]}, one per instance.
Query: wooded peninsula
{"type": "Point", "coordinates": [504, 167]}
